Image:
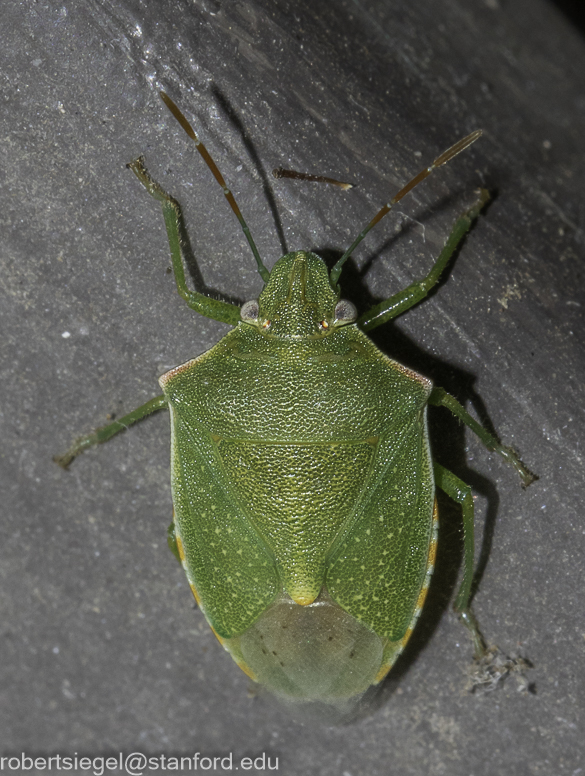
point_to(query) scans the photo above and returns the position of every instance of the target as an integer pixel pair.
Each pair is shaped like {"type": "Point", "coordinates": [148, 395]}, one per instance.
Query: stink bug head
{"type": "Point", "coordinates": [298, 300]}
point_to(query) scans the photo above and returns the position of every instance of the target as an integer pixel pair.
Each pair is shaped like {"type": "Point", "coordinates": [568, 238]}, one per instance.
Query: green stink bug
{"type": "Point", "coordinates": [303, 484]}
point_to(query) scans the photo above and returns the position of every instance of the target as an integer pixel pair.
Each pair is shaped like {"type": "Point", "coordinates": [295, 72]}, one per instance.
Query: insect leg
{"type": "Point", "coordinates": [105, 433]}
{"type": "Point", "coordinates": [440, 398]}
{"type": "Point", "coordinates": [460, 492]}
{"type": "Point", "coordinates": [414, 293]}
{"type": "Point", "coordinates": [210, 308]}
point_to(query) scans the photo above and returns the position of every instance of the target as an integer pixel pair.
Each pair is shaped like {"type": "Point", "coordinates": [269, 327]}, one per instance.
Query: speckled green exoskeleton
{"type": "Point", "coordinates": [303, 484]}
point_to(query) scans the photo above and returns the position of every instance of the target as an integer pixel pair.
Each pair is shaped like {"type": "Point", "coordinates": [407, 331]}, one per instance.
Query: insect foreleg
{"type": "Point", "coordinates": [415, 292]}
{"type": "Point", "coordinates": [210, 308]}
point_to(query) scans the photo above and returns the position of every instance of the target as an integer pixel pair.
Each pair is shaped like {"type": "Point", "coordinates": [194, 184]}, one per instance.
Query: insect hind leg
{"type": "Point", "coordinates": [460, 492]}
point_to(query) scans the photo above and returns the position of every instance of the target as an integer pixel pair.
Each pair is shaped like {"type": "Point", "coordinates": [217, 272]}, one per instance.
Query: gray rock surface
{"type": "Point", "coordinates": [102, 650]}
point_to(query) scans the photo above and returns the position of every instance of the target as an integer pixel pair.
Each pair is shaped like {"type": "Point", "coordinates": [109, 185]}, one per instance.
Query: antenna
{"type": "Point", "coordinates": [445, 157]}
{"type": "Point", "coordinates": [264, 273]}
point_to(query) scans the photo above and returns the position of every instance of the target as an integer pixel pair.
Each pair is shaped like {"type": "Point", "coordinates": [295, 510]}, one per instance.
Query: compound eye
{"type": "Point", "coordinates": [250, 311]}
{"type": "Point", "coordinates": [345, 312]}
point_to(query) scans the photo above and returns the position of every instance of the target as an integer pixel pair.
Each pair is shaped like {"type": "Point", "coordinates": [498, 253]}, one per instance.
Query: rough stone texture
{"type": "Point", "coordinates": [102, 650]}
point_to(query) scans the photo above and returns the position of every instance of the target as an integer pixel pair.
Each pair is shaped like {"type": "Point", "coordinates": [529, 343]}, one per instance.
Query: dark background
{"type": "Point", "coordinates": [102, 649]}
{"type": "Point", "coordinates": [574, 11]}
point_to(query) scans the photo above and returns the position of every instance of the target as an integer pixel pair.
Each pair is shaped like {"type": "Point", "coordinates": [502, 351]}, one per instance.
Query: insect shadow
{"type": "Point", "coordinates": [265, 179]}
